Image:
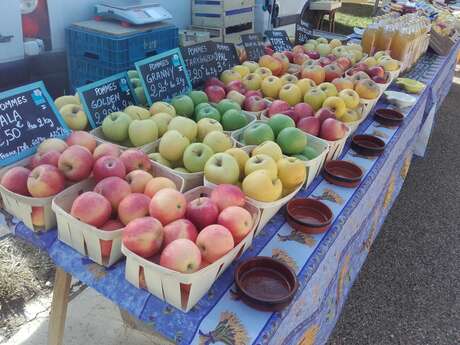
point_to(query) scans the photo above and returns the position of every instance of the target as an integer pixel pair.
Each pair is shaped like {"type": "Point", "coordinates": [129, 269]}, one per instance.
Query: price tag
{"type": "Point", "coordinates": [303, 32]}
{"type": "Point", "coordinates": [200, 60]}
{"type": "Point", "coordinates": [226, 56]}
{"type": "Point", "coordinates": [27, 117]}
{"type": "Point", "coordinates": [279, 40]}
{"type": "Point", "coordinates": [164, 76]}
{"type": "Point", "coordinates": [254, 46]}
{"type": "Point", "coordinates": [106, 96]}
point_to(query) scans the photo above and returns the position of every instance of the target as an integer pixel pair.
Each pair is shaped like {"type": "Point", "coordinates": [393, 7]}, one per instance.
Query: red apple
{"type": "Point", "coordinates": [215, 93]}
{"type": "Point", "coordinates": [238, 220]}
{"type": "Point", "coordinates": [254, 93]}
{"type": "Point", "coordinates": [143, 236]}
{"type": "Point", "coordinates": [324, 113]}
{"type": "Point", "coordinates": [379, 80]}
{"type": "Point", "coordinates": [278, 107]}
{"type": "Point", "coordinates": [106, 245]}
{"type": "Point", "coordinates": [331, 57]}
{"type": "Point", "coordinates": [312, 55]}
{"type": "Point", "coordinates": [91, 208]}
{"type": "Point", "coordinates": [107, 166]}
{"type": "Point", "coordinates": [236, 85]}
{"type": "Point", "coordinates": [360, 66]}
{"type": "Point", "coordinates": [181, 228]}
{"type": "Point", "coordinates": [376, 71]}
{"type": "Point", "coordinates": [114, 189]}
{"type": "Point", "coordinates": [51, 157]}
{"type": "Point", "coordinates": [168, 205]}
{"type": "Point", "coordinates": [302, 110]}
{"type": "Point", "coordinates": [214, 81]}
{"type": "Point", "coordinates": [332, 130]}
{"type": "Point", "coordinates": [310, 125]}
{"type": "Point", "coordinates": [226, 195]}
{"type": "Point", "coordinates": [133, 206]}
{"type": "Point", "coordinates": [202, 212]}
{"type": "Point", "coordinates": [332, 72]}
{"type": "Point", "coordinates": [76, 163]}
{"type": "Point", "coordinates": [15, 180]}
{"type": "Point", "coordinates": [268, 51]}
{"type": "Point", "coordinates": [298, 49]}
{"type": "Point", "coordinates": [44, 181]}
{"type": "Point", "coordinates": [138, 180]}
{"type": "Point", "coordinates": [254, 103]}
{"type": "Point", "coordinates": [343, 62]}
{"type": "Point", "coordinates": [214, 242]}
{"type": "Point", "coordinates": [106, 149]}
{"type": "Point", "coordinates": [181, 255]}
{"type": "Point", "coordinates": [289, 55]}
{"type": "Point", "coordinates": [324, 61]}
{"type": "Point", "coordinates": [300, 58]}
{"type": "Point", "coordinates": [136, 160]}
{"type": "Point", "coordinates": [82, 138]}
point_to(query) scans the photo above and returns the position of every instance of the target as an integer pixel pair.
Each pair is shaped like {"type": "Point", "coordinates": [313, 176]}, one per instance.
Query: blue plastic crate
{"type": "Point", "coordinates": [125, 49]}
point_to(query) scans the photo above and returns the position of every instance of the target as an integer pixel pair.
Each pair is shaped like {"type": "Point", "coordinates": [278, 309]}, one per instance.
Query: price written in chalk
{"type": "Point", "coordinates": [279, 40]}
{"type": "Point", "coordinates": [226, 56]}
{"type": "Point", "coordinates": [201, 63]}
{"type": "Point", "coordinates": [303, 32]}
{"type": "Point", "coordinates": [254, 46]}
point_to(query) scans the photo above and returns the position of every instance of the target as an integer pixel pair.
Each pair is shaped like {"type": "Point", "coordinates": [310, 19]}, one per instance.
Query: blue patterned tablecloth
{"type": "Point", "coordinates": [326, 264]}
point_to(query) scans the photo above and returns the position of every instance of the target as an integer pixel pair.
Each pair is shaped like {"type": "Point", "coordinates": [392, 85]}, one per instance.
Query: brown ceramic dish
{"type": "Point", "coordinates": [388, 117]}
{"type": "Point", "coordinates": [265, 283]}
{"type": "Point", "coordinates": [310, 216]}
{"type": "Point", "coordinates": [342, 173]}
{"type": "Point", "coordinates": [367, 145]}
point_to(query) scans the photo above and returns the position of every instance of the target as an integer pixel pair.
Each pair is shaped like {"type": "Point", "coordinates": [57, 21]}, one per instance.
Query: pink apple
{"type": "Point", "coordinates": [332, 130]}
{"type": "Point", "coordinates": [52, 144]}
{"type": "Point", "coordinates": [324, 113]}
{"type": "Point", "coordinates": [138, 180]}
{"type": "Point", "coordinates": [133, 206]}
{"type": "Point", "coordinates": [215, 93]}
{"type": "Point", "coordinates": [291, 114]}
{"type": "Point", "coordinates": [76, 163]}
{"type": "Point", "coordinates": [324, 61]}
{"type": "Point", "coordinates": [181, 255]}
{"type": "Point", "coordinates": [360, 66]}
{"type": "Point", "coordinates": [268, 50]}
{"type": "Point", "coordinates": [214, 81]}
{"type": "Point", "coordinates": [310, 125]}
{"type": "Point", "coordinates": [44, 181]}
{"type": "Point", "coordinates": [379, 79]}
{"type": "Point", "coordinates": [91, 208]}
{"type": "Point", "coordinates": [51, 157]}
{"type": "Point", "coordinates": [226, 195]}
{"type": "Point", "coordinates": [82, 138]}
{"type": "Point", "coordinates": [236, 85]}
{"type": "Point", "coordinates": [168, 205]}
{"type": "Point", "coordinates": [300, 58]}
{"type": "Point", "coordinates": [238, 220]}
{"type": "Point", "coordinates": [331, 57]}
{"type": "Point", "coordinates": [302, 110]}
{"type": "Point", "coordinates": [143, 236]}
{"type": "Point", "coordinates": [332, 72]}
{"type": "Point", "coordinates": [254, 93]}
{"type": "Point", "coordinates": [202, 212]}
{"type": "Point", "coordinates": [106, 245]}
{"type": "Point", "coordinates": [343, 62]}
{"type": "Point", "coordinates": [278, 107]}
{"type": "Point", "coordinates": [136, 160]}
{"type": "Point", "coordinates": [312, 55]}
{"type": "Point", "coordinates": [15, 180]}
{"type": "Point", "coordinates": [290, 55]}
{"type": "Point", "coordinates": [108, 166]}
{"type": "Point", "coordinates": [114, 189]}
{"type": "Point", "coordinates": [181, 228]}
{"type": "Point", "coordinates": [376, 71]}
{"type": "Point", "coordinates": [254, 103]}
{"type": "Point", "coordinates": [298, 49]}
{"type": "Point", "coordinates": [106, 149]}
{"type": "Point", "coordinates": [214, 242]}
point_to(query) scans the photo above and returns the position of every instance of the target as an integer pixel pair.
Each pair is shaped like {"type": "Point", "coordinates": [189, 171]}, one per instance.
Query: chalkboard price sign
{"type": "Point", "coordinates": [27, 117]}
{"type": "Point", "coordinates": [303, 32]}
{"type": "Point", "coordinates": [106, 96]}
{"type": "Point", "coordinates": [253, 45]}
{"type": "Point", "coordinates": [226, 56]}
{"type": "Point", "coordinates": [164, 76]}
{"type": "Point", "coordinates": [200, 60]}
{"type": "Point", "coordinates": [279, 40]}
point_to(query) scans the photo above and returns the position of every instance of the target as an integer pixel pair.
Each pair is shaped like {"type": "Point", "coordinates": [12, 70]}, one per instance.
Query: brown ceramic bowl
{"type": "Point", "coordinates": [310, 216]}
{"type": "Point", "coordinates": [265, 283]}
{"type": "Point", "coordinates": [388, 117]}
{"type": "Point", "coordinates": [342, 173]}
{"type": "Point", "coordinates": [367, 145]}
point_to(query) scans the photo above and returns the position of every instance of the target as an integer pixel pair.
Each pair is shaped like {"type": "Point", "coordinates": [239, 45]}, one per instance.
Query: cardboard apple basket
{"type": "Point", "coordinates": [184, 290]}
{"type": "Point", "coordinates": [84, 238]}
{"type": "Point", "coordinates": [353, 125]}
{"type": "Point", "coordinates": [100, 138]}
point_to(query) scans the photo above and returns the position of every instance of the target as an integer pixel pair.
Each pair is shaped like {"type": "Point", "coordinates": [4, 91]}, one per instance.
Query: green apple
{"type": "Point", "coordinates": [279, 122]}
{"type": "Point", "coordinates": [257, 133]}
{"type": "Point", "coordinates": [226, 104]}
{"type": "Point", "coordinates": [182, 170]}
{"type": "Point", "coordinates": [132, 73]}
{"type": "Point", "coordinates": [140, 95]}
{"type": "Point", "coordinates": [310, 152]}
{"type": "Point", "coordinates": [137, 113]}
{"type": "Point", "coordinates": [233, 119]}
{"type": "Point", "coordinates": [196, 155]}
{"type": "Point", "coordinates": [208, 112]}
{"type": "Point", "coordinates": [115, 126]}
{"type": "Point", "coordinates": [198, 97]}
{"type": "Point", "coordinates": [206, 126]}
{"type": "Point", "coordinates": [172, 145]}
{"type": "Point", "coordinates": [184, 105]}
{"type": "Point", "coordinates": [201, 106]}
{"type": "Point", "coordinates": [136, 82]}
{"type": "Point", "coordinates": [143, 132]}
{"type": "Point", "coordinates": [157, 157]}
{"type": "Point", "coordinates": [186, 126]}
{"type": "Point", "coordinates": [222, 168]}
{"type": "Point", "coordinates": [292, 141]}
{"type": "Point", "coordinates": [162, 120]}
{"type": "Point", "coordinates": [315, 97]}
{"type": "Point", "coordinates": [218, 141]}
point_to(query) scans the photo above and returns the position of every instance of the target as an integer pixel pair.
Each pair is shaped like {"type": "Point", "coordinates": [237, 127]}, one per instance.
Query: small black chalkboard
{"type": "Point", "coordinates": [164, 76]}
{"type": "Point", "coordinates": [254, 46]}
{"type": "Point", "coordinates": [27, 117]}
{"type": "Point", "coordinates": [226, 56]}
{"type": "Point", "coordinates": [200, 60]}
{"type": "Point", "coordinates": [303, 32]}
{"type": "Point", "coordinates": [106, 96]}
{"type": "Point", "coordinates": [279, 40]}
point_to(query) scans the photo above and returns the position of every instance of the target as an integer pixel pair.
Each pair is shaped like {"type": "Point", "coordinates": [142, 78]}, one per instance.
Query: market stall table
{"type": "Point", "coordinates": [326, 264]}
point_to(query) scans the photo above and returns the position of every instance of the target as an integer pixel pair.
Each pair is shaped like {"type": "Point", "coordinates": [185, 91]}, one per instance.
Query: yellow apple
{"type": "Point", "coordinates": [241, 157]}
{"type": "Point", "coordinates": [336, 105]}
{"type": "Point", "coordinates": [305, 85]}
{"type": "Point", "coordinates": [269, 148]}
{"type": "Point", "coordinates": [315, 97]}
{"type": "Point", "coordinates": [291, 94]}
{"type": "Point", "coordinates": [334, 43]}
{"type": "Point", "coordinates": [288, 78]}
{"type": "Point", "coordinates": [218, 141]}
{"type": "Point", "coordinates": [259, 186]}
{"type": "Point", "coordinates": [350, 97]}
{"type": "Point", "coordinates": [242, 70]}
{"type": "Point", "coordinates": [328, 88]}
{"type": "Point", "coordinates": [370, 61]}
{"type": "Point", "coordinates": [367, 89]}
{"type": "Point", "coordinates": [389, 64]}
{"type": "Point", "coordinates": [229, 75]}
{"type": "Point", "coordinates": [264, 72]}
{"type": "Point", "coordinates": [350, 115]}
{"type": "Point", "coordinates": [252, 81]}
{"type": "Point", "coordinates": [291, 171]}
{"type": "Point", "coordinates": [66, 100]}
{"type": "Point", "coordinates": [271, 86]}
{"type": "Point", "coordinates": [252, 65]}
{"type": "Point", "coordinates": [74, 116]}
{"type": "Point", "coordinates": [162, 107]}
{"type": "Point", "coordinates": [261, 162]}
